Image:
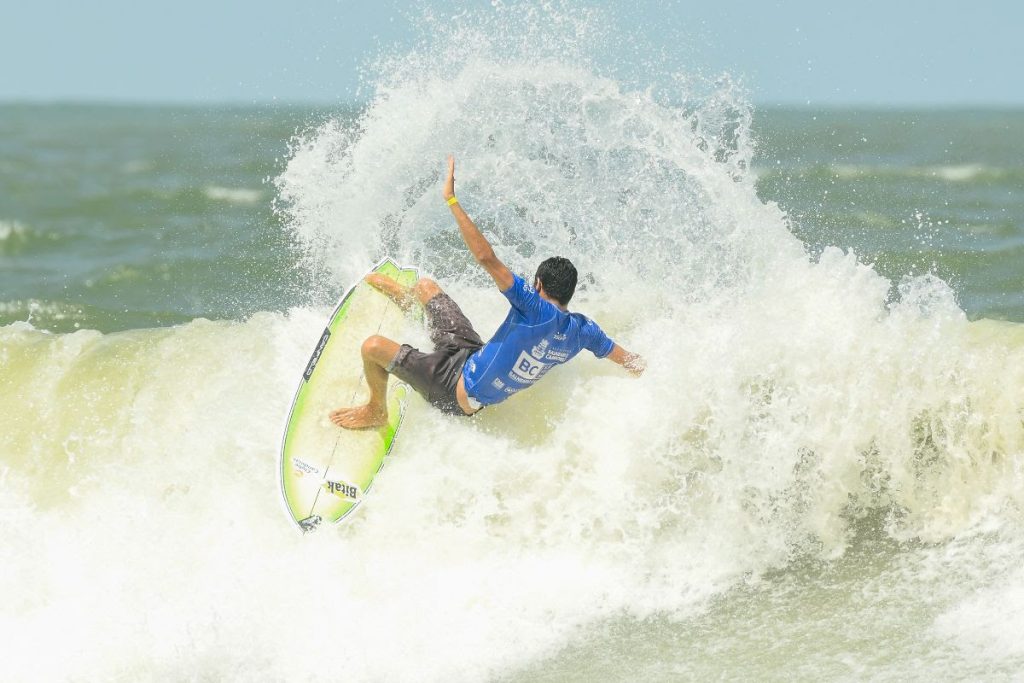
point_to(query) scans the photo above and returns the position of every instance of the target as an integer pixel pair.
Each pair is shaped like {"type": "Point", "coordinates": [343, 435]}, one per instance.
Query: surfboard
{"type": "Point", "coordinates": [325, 470]}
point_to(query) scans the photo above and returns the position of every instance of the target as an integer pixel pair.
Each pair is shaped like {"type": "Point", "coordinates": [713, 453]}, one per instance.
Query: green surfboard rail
{"type": "Point", "coordinates": [326, 470]}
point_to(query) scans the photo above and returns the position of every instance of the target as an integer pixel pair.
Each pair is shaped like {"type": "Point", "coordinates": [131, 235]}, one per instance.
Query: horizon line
{"type": "Point", "coordinates": [357, 104]}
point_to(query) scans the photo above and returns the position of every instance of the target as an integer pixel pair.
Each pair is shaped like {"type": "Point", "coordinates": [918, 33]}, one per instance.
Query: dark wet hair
{"type": "Point", "coordinates": [558, 276]}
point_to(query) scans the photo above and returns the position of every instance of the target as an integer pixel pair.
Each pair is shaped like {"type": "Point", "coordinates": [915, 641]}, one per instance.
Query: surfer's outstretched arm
{"type": "Point", "coordinates": [633, 362]}
{"type": "Point", "coordinates": [474, 239]}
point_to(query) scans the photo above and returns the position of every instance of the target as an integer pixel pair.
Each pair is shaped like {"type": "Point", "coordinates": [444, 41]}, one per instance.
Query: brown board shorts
{"type": "Point", "coordinates": [435, 375]}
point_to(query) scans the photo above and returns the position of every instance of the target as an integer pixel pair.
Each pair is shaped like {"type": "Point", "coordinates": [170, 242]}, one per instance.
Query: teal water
{"type": "Point", "coordinates": [909, 191]}
{"type": "Point", "coordinates": [119, 217]}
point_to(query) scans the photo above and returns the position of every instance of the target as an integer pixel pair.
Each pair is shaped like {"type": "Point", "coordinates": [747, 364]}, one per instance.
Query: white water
{"type": "Point", "coordinates": [791, 409]}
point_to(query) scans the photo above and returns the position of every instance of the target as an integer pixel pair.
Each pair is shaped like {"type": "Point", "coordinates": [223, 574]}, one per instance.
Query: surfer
{"type": "Point", "coordinates": [463, 374]}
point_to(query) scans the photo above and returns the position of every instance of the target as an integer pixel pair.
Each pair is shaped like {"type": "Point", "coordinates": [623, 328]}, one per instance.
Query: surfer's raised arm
{"type": "Point", "coordinates": [474, 239]}
{"type": "Point", "coordinates": [633, 362]}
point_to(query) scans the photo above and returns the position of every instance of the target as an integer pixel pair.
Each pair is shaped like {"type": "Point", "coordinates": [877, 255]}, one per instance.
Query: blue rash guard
{"type": "Point", "coordinates": [535, 337]}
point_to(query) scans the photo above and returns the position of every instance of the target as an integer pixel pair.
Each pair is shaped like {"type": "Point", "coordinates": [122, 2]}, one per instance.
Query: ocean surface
{"type": "Point", "coordinates": [820, 476]}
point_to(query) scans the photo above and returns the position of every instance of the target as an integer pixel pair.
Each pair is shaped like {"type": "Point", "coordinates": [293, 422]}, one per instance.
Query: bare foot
{"type": "Point", "coordinates": [360, 417]}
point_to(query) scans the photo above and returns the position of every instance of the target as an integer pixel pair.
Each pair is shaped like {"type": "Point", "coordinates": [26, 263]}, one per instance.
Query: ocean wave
{"type": "Point", "coordinates": [11, 230]}
{"type": "Point", "coordinates": [137, 166]}
{"type": "Point", "coordinates": [42, 312]}
{"type": "Point", "coordinates": [233, 195]}
{"type": "Point", "coordinates": [955, 173]}
{"type": "Point", "coordinates": [964, 172]}
{"type": "Point", "coordinates": [596, 495]}
{"type": "Point", "coordinates": [14, 235]}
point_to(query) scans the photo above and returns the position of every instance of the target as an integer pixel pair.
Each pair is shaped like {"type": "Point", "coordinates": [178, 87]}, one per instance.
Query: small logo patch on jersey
{"type": "Point", "coordinates": [557, 355]}
{"type": "Point", "coordinates": [497, 383]}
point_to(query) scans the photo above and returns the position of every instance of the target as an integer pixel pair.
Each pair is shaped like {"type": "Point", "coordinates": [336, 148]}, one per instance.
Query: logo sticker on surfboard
{"type": "Point", "coordinates": [326, 470]}
{"type": "Point", "coordinates": [302, 467]}
{"type": "Point", "coordinates": [317, 352]}
{"type": "Point", "coordinates": [342, 489]}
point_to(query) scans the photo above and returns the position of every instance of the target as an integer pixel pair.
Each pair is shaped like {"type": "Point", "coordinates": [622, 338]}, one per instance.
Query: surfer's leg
{"type": "Point", "coordinates": [397, 292]}
{"type": "Point", "coordinates": [426, 289]}
{"type": "Point", "coordinates": [378, 353]}
{"type": "Point", "coordinates": [448, 326]}
{"type": "Point", "coordinates": [423, 291]}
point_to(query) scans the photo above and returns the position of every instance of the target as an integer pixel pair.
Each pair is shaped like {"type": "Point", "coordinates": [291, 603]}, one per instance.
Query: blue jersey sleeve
{"type": "Point", "coordinates": [525, 299]}
{"type": "Point", "coordinates": [595, 340]}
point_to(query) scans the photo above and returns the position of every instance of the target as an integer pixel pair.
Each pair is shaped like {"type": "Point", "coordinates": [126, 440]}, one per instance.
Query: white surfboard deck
{"type": "Point", "coordinates": [326, 470]}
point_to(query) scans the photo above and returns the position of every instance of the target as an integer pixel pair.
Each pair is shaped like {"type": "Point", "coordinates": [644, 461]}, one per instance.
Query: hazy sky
{"type": "Point", "coordinates": [897, 52]}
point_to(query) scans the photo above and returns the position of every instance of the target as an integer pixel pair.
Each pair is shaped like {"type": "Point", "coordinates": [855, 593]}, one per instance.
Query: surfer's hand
{"type": "Point", "coordinates": [633, 362]}
{"type": "Point", "coordinates": [449, 183]}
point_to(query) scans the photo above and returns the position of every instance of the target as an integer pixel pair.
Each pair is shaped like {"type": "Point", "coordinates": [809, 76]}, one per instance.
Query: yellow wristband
{"type": "Point", "coordinates": [452, 200]}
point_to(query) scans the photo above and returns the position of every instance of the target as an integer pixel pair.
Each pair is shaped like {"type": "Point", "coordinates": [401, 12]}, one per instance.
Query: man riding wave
{"type": "Point", "coordinates": [463, 374]}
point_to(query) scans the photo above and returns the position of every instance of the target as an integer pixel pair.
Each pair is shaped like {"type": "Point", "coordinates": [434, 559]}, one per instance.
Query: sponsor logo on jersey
{"type": "Point", "coordinates": [559, 337]}
{"type": "Point", "coordinates": [342, 489]}
{"type": "Point", "coordinates": [497, 383]}
{"type": "Point", "coordinates": [538, 350]}
{"type": "Point", "coordinates": [557, 355]}
{"type": "Point", "coordinates": [527, 369]}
